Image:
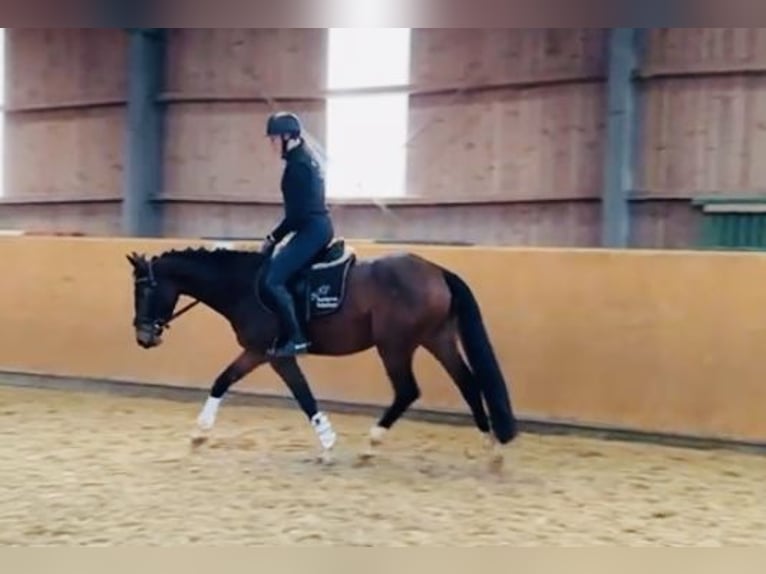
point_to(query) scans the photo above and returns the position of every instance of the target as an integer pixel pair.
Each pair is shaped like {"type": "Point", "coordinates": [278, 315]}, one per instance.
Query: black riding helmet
{"type": "Point", "coordinates": [284, 124]}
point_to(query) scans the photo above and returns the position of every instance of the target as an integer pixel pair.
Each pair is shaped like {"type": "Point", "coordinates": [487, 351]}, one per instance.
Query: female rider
{"type": "Point", "coordinates": [305, 214]}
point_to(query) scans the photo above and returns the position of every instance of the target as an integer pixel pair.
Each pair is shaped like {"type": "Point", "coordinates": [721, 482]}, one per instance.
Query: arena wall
{"type": "Point", "coordinates": [639, 340]}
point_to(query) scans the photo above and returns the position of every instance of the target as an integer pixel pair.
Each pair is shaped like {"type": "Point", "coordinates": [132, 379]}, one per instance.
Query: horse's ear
{"type": "Point", "coordinates": [134, 259]}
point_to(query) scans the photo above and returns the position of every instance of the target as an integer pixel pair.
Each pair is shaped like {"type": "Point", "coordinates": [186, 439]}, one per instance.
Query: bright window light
{"type": "Point", "coordinates": [367, 133]}
{"type": "Point", "coordinates": [368, 57]}
{"type": "Point", "coordinates": [366, 139]}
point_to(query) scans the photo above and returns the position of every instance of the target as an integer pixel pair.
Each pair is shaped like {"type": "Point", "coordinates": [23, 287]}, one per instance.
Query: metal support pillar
{"type": "Point", "coordinates": [621, 137]}
{"type": "Point", "coordinates": [141, 216]}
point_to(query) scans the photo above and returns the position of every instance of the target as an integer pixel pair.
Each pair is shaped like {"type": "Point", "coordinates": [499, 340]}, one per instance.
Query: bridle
{"type": "Point", "coordinates": [151, 283]}
{"type": "Point", "coordinates": [174, 316]}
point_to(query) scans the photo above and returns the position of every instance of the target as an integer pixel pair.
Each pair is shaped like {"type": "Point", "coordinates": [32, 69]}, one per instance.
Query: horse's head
{"type": "Point", "coordinates": [154, 298]}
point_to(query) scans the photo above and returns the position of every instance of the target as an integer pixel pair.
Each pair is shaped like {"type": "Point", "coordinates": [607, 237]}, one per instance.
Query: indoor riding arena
{"type": "Point", "coordinates": [600, 191]}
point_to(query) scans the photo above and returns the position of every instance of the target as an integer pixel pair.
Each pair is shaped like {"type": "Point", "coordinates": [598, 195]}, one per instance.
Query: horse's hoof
{"type": "Point", "coordinates": [376, 435]}
{"type": "Point", "coordinates": [496, 465]}
{"type": "Point", "coordinates": [496, 461]}
{"type": "Point", "coordinates": [197, 439]}
{"type": "Point", "coordinates": [367, 454]}
{"type": "Point", "coordinates": [326, 458]}
{"type": "Point", "coordinates": [364, 458]}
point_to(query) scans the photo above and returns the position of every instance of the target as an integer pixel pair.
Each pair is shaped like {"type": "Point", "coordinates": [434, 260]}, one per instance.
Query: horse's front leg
{"type": "Point", "coordinates": [243, 365]}
{"type": "Point", "coordinates": [293, 377]}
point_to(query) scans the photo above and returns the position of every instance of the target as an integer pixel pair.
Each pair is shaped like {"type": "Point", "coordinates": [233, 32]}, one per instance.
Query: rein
{"type": "Point", "coordinates": [177, 314]}
{"type": "Point", "coordinates": [180, 312]}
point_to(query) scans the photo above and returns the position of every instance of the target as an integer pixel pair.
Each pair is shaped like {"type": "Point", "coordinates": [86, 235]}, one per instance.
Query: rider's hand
{"type": "Point", "coordinates": [267, 248]}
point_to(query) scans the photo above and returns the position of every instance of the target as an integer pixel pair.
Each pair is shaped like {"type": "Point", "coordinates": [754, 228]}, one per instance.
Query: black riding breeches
{"type": "Point", "coordinates": [306, 244]}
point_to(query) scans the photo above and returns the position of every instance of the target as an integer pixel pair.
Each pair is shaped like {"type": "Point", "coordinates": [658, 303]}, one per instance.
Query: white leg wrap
{"type": "Point", "coordinates": [324, 430]}
{"type": "Point", "coordinates": [206, 418]}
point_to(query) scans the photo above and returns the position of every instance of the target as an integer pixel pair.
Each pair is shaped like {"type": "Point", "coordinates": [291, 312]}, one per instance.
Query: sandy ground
{"type": "Point", "coordinates": [93, 469]}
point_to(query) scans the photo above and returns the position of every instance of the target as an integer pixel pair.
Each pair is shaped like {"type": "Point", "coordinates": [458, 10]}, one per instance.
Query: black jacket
{"type": "Point", "coordinates": [303, 191]}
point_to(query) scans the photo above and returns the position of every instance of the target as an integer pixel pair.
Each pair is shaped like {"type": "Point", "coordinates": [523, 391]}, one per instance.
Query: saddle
{"type": "Point", "coordinates": [331, 255]}
{"type": "Point", "coordinates": [319, 290]}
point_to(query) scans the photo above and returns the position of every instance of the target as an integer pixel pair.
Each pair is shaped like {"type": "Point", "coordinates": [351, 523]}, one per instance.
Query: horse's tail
{"type": "Point", "coordinates": [481, 357]}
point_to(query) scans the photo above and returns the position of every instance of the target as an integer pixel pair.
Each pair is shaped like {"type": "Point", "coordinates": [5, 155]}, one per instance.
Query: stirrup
{"type": "Point", "coordinates": [289, 349]}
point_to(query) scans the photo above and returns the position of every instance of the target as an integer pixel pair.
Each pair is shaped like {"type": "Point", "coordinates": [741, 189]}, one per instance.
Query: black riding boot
{"type": "Point", "coordinates": [297, 343]}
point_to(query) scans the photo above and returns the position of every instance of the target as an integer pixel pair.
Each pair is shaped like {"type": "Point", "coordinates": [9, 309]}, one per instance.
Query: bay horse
{"type": "Point", "coordinates": [394, 303]}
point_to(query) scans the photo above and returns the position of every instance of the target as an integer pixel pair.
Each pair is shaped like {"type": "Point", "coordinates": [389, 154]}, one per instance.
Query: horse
{"type": "Point", "coordinates": [394, 303]}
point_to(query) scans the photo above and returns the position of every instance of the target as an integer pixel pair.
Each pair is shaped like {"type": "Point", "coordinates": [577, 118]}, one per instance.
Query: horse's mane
{"type": "Point", "coordinates": [234, 264]}
{"type": "Point", "coordinates": [217, 256]}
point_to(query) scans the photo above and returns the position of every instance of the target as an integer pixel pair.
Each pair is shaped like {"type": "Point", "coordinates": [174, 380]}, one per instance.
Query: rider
{"type": "Point", "coordinates": [305, 214]}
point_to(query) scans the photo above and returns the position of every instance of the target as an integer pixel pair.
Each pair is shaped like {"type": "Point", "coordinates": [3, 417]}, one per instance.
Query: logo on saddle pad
{"type": "Point", "coordinates": [323, 298]}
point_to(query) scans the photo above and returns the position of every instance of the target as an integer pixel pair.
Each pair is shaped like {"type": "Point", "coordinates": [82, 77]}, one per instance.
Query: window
{"type": "Point", "coordinates": [367, 131]}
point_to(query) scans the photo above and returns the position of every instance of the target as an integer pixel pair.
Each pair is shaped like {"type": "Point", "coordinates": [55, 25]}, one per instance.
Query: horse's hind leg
{"type": "Point", "coordinates": [443, 347]}
{"type": "Point", "coordinates": [397, 360]}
